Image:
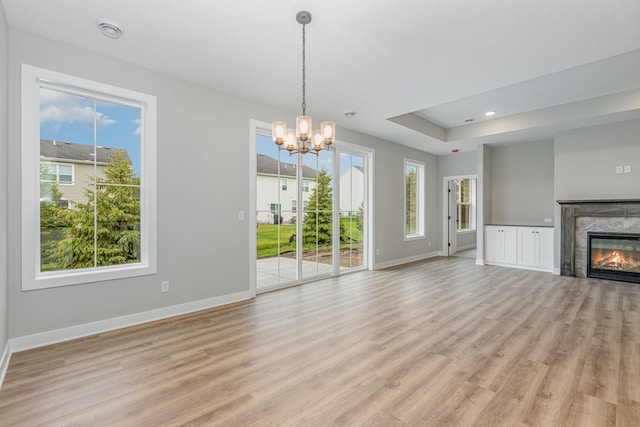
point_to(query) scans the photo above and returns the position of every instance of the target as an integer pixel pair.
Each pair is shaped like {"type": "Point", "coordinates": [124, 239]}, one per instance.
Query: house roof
{"type": "Point", "coordinates": [269, 166]}
{"type": "Point", "coordinates": [61, 150]}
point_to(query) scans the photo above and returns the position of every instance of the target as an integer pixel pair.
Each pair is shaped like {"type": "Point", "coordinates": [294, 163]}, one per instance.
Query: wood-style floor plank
{"type": "Point", "coordinates": [442, 342]}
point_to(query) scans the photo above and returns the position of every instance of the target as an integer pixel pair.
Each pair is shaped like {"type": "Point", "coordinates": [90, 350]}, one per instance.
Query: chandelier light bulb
{"type": "Point", "coordinates": [279, 132]}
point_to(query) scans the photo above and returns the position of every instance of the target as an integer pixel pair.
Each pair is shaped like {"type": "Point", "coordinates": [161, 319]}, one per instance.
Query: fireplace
{"type": "Point", "coordinates": [614, 256]}
{"type": "Point", "coordinates": [582, 216]}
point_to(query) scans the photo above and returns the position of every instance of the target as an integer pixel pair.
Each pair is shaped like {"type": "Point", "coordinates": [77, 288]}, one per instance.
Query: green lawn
{"type": "Point", "coordinates": [267, 238]}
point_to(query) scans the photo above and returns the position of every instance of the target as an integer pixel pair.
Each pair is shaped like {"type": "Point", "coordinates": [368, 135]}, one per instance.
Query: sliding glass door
{"type": "Point", "coordinates": [353, 211]}
{"type": "Point", "coordinates": [310, 212]}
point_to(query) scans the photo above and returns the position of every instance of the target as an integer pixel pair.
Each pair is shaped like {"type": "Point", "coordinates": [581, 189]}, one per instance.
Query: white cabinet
{"type": "Point", "coordinates": [535, 247]}
{"type": "Point", "coordinates": [522, 247]}
{"type": "Point", "coordinates": [501, 244]}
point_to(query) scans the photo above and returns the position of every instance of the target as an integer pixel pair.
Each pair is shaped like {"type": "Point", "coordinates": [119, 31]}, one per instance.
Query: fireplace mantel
{"type": "Point", "coordinates": [599, 208]}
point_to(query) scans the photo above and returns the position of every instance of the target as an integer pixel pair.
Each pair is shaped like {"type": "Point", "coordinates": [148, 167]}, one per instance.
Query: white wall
{"type": "Point", "coordinates": [3, 181]}
{"type": "Point", "coordinates": [351, 190]}
{"type": "Point", "coordinates": [522, 184]}
{"type": "Point", "coordinates": [203, 248]}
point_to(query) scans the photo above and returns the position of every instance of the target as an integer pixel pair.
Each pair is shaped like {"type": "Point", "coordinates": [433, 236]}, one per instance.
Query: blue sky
{"type": "Point", "coordinates": [72, 118]}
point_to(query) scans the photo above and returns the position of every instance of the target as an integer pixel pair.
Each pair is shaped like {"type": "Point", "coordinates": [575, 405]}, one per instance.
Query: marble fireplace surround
{"type": "Point", "coordinates": [580, 216]}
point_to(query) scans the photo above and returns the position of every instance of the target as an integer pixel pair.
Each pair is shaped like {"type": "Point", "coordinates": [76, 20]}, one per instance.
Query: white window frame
{"type": "Point", "coordinates": [284, 184]}
{"type": "Point", "coordinates": [294, 206]}
{"type": "Point", "coordinates": [305, 185]}
{"type": "Point", "coordinates": [33, 78]}
{"type": "Point", "coordinates": [472, 207]}
{"type": "Point", "coordinates": [420, 206]}
{"type": "Point", "coordinates": [57, 172]}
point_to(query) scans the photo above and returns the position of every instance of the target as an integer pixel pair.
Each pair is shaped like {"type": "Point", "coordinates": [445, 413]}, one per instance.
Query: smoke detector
{"type": "Point", "coordinates": [109, 28]}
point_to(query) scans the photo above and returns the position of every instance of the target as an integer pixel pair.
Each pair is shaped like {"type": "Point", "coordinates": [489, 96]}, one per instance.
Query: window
{"type": "Point", "coordinates": [414, 199]}
{"type": "Point", "coordinates": [58, 173]}
{"type": "Point", "coordinates": [465, 204]}
{"type": "Point", "coordinates": [91, 148]}
{"type": "Point", "coordinates": [305, 186]}
{"type": "Point", "coordinates": [276, 211]}
{"type": "Point", "coordinates": [284, 184]}
{"type": "Point", "coordinates": [294, 206]}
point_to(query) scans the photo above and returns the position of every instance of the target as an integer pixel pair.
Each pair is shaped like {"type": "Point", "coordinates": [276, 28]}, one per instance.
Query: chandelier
{"type": "Point", "coordinates": [304, 138]}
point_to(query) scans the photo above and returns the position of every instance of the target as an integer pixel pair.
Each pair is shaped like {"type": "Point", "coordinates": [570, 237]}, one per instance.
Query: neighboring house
{"type": "Point", "coordinates": [71, 167]}
{"type": "Point", "coordinates": [351, 191]}
{"type": "Point", "coordinates": [277, 190]}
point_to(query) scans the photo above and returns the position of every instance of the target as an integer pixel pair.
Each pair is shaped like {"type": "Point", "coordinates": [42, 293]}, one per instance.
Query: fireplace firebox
{"type": "Point", "coordinates": [614, 256]}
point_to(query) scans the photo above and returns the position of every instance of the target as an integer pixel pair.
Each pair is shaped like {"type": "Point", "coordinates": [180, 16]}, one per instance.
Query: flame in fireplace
{"type": "Point", "coordinates": [613, 261]}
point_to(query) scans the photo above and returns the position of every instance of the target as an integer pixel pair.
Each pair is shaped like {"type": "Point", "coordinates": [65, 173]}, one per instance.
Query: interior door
{"type": "Point", "coordinates": [452, 223]}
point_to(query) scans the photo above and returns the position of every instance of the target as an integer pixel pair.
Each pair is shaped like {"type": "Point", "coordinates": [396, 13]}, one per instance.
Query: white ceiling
{"type": "Point", "coordinates": [544, 65]}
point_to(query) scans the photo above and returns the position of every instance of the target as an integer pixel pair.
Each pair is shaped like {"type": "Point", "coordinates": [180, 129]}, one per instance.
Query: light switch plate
{"type": "Point", "coordinates": [627, 169]}
{"type": "Point", "coordinates": [619, 169]}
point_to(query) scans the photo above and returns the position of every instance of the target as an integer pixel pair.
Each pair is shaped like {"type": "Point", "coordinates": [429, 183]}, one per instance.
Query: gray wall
{"type": "Point", "coordinates": [484, 171]}
{"type": "Point", "coordinates": [585, 166]}
{"type": "Point", "coordinates": [3, 180]}
{"type": "Point", "coordinates": [586, 160]}
{"type": "Point", "coordinates": [454, 165]}
{"type": "Point", "coordinates": [522, 190]}
{"type": "Point", "coordinates": [203, 249]}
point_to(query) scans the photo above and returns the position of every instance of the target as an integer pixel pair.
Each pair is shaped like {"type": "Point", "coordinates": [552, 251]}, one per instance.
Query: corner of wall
{"type": "Point", "coordinates": [4, 188]}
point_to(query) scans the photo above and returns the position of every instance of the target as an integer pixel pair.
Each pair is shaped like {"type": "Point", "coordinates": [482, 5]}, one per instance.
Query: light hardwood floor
{"type": "Point", "coordinates": [440, 342]}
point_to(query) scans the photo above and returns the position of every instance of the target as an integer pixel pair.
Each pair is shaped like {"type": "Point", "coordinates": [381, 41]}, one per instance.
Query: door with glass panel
{"type": "Point", "coordinates": [315, 250]}
{"type": "Point", "coordinates": [276, 214]}
{"type": "Point", "coordinates": [353, 211]}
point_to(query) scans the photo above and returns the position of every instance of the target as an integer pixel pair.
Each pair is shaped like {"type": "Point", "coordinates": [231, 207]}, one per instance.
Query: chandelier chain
{"type": "Point", "coordinates": [304, 95]}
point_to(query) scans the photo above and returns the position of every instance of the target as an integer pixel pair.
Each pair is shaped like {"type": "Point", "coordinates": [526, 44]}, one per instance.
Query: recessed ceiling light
{"type": "Point", "coordinates": [109, 28]}
{"type": "Point", "coordinates": [489, 113]}
{"type": "Point", "coordinates": [349, 114]}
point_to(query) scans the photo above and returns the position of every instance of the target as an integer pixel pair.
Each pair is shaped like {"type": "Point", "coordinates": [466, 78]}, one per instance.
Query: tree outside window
{"type": "Point", "coordinates": [465, 204]}
{"type": "Point", "coordinates": [414, 199]}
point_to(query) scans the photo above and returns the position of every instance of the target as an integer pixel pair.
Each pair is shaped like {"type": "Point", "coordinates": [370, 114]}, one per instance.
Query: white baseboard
{"type": "Point", "coordinates": [79, 331]}
{"type": "Point", "coordinates": [556, 271]}
{"type": "Point", "coordinates": [406, 260]}
{"type": "Point", "coordinates": [4, 361]}
{"type": "Point", "coordinates": [465, 247]}
{"type": "Point", "coordinates": [479, 261]}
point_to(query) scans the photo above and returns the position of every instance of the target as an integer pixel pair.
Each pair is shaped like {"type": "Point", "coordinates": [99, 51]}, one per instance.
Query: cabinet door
{"type": "Point", "coordinates": [492, 243]}
{"type": "Point", "coordinates": [545, 248]}
{"type": "Point", "coordinates": [527, 246]}
{"type": "Point", "coordinates": [510, 247]}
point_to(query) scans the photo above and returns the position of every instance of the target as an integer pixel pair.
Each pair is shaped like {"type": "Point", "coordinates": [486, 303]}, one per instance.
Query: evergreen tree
{"type": "Point", "coordinates": [317, 227]}
{"type": "Point", "coordinates": [411, 200]}
{"type": "Point", "coordinates": [117, 236]}
{"type": "Point", "coordinates": [360, 217]}
{"type": "Point", "coordinates": [53, 223]}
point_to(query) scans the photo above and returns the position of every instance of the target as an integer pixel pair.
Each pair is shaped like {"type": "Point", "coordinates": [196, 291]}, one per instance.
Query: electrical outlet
{"type": "Point", "coordinates": [377, 251]}
{"type": "Point", "coordinates": [429, 244]}
{"type": "Point", "coordinates": [164, 286]}
{"type": "Point", "coordinates": [619, 169]}
{"type": "Point", "coordinates": [240, 215]}
{"type": "Point", "coordinates": [627, 168]}
{"type": "Point", "coordinates": [547, 220]}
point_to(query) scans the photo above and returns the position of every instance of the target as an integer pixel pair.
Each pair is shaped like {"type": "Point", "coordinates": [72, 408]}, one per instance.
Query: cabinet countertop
{"type": "Point", "coordinates": [520, 225]}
